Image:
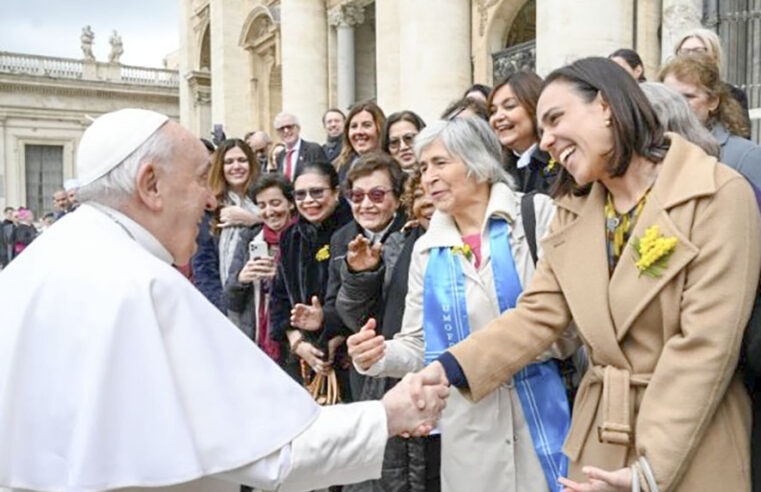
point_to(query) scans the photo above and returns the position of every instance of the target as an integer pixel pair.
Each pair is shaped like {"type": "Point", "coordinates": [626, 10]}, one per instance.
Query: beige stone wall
{"type": "Point", "coordinates": [48, 111]}
{"type": "Point", "coordinates": [365, 59]}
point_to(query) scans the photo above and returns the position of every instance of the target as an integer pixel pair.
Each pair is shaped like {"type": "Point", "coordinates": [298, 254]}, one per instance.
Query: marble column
{"type": "Point", "coordinates": [679, 16]}
{"type": "Point", "coordinates": [387, 53]}
{"type": "Point", "coordinates": [566, 32]}
{"type": "Point", "coordinates": [648, 41]}
{"type": "Point", "coordinates": [344, 18]}
{"type": "Point", "coordinates": [304, 48]}
{"type": "Point", "coordinates": [435, 67]}
{"type": "Point", "coordinates": [229, 66]}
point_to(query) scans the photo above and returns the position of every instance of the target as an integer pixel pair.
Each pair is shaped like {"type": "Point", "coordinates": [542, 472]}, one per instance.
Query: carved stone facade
{"type": "Point", "coordinates": [308, 55]}
{"type": "Point", "coordinates": [48, 102]}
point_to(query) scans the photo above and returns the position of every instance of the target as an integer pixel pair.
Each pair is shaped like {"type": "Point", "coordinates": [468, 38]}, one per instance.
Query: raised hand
{"type": "Point", "coordinates": [257, 269]}
{"type": "Point", "coordinates": [365, 347]}
{"type": "Point", "coordinates": [600, 481]}
{"type": "Point", "coordinates": [307, 317]}
{"type": "Point", "coordinates": [237, 216]}
{"type": "Point", "coordinates": [407, 418]}
{"type": "Point", "coordinates": [363, 256]}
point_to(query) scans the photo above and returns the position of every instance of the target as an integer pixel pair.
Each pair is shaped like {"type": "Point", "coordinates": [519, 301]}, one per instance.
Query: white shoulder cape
{"type": "Point", "coordinates": [116, 372]}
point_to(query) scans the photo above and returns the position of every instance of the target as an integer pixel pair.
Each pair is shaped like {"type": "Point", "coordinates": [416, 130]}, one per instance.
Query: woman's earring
{"type": "Point", "coordinates": [607, 122]}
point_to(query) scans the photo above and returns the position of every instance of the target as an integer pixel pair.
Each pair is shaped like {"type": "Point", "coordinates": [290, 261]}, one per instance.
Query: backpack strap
{"type": "Point", "coordinates": [529, 222]}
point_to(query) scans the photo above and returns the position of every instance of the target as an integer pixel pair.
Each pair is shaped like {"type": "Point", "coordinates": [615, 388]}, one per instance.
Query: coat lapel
{"type": "Point", "coordinates": [630, 292]}
{"type": "Point", "coordinates": [578, 257]}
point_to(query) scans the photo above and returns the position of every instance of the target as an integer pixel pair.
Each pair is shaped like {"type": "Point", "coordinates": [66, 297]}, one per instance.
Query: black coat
{"type": "Point", "coordinates": [7, 241]}
{"type": "Point", "coordinates": [308, 152]}
{"type": "Point", "coordinates": [537, 176]}
{"type": "Point", "coordinates": [205, 264]}
{"type": "Point", "coordinates": [299, 274]}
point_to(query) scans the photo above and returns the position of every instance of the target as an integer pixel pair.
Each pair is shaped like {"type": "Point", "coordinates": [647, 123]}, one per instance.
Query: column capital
{"type": "Point", "coordinates": [349, 15]}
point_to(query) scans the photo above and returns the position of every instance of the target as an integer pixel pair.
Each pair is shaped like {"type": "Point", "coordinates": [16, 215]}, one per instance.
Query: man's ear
{"type": "Point", "coordinates": [147, 184]}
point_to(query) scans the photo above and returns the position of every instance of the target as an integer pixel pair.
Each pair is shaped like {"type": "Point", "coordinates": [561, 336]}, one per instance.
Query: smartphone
{"type": "Point", "coordinates": [257, 249]}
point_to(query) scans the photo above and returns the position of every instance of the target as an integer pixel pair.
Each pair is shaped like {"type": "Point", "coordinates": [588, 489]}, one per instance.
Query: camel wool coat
{"type": "Point", "coordinates": [663, 351]}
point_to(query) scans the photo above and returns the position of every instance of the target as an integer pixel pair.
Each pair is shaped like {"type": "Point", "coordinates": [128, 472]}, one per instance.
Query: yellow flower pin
{"type": "Point", "coordinates": [463, 250]}
{"type": "Point", "coordinates": [323, 253]}
{"type": "Point", "coordinates": [652, 251]}
{"type": "Point", "coordinates": [550, 166]}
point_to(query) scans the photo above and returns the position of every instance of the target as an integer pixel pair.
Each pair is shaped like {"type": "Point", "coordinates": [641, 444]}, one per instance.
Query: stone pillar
{"type": "Point", "coordinates": [565, 32]}
{"type": "Point", "coordinates": [648, 42]}
{"type": "Point", "coordinates": [387, 17]}
{"type": "Point", "coordinates": [435, 64]}
{"type": "Point", "coordinates": [679, 16]}
{"type": "Point", "coordinates": [344, 18]}
{"type": "Point", "coordinates": [304, 41]}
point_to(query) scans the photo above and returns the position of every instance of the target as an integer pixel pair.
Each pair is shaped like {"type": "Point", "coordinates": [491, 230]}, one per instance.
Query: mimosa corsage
{"type": "Point", "coordinates": [323, 253]}
{"type": "Point", "coordinates": [464, 250]}
{"type": "Point", "coordinates": [652, 251]}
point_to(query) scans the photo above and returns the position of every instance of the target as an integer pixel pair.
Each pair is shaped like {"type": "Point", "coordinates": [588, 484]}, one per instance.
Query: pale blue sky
{"type": "Point", "coordinates": [149, 28]}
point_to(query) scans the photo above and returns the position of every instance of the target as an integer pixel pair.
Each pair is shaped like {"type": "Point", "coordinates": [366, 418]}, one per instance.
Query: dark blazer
{"type": "Point", "coordinates": [332, 148]}
{"type": "Point", "coordinates": [538, 176]}
{"type": "Point", "coordinates": [205, 264]}
{"type": "Point", "coordinates": [308, 152]}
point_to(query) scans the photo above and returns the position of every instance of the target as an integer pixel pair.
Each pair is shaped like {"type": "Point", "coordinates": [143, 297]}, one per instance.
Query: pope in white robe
{"type": "Point", "coordinates": [116, 373]}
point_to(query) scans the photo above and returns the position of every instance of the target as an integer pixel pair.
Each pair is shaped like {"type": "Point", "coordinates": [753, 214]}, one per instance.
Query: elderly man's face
{"type": "Point", "coordinates": [72, 196]}
{"type": "Point", "coordinates": [260, 145]}
{"type": "Point", "coordinates": [184, 183]}
{"type": "Point", "coordinates": [288, 130]}
{"type": "Point", "coordinates": [9, 214]}
{"type": "Point", "coordinates": [61, 200]}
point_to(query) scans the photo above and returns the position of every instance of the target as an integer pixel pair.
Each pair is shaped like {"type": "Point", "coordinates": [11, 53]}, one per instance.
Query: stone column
{"type": "Point", "coordinates": [435, 65]}
{"type": "Point", "coordinates": [566, 32]}
{"type": "Point", "coordinates": [344, 18]}
{"type": "Point", "coordinates": [648, 42]}
{"type": "Point", "coordinates": [229, 64]}
{"type": "Point", "coordinates": [304, 41]}
{"type": "Point", "coordinates": [387, 53]}
{"type": "Point", "coordinates": [679, 16]}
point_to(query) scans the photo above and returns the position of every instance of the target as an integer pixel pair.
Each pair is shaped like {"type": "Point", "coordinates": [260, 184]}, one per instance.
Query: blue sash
{"type": "Point", "coordinates": [445, 323]}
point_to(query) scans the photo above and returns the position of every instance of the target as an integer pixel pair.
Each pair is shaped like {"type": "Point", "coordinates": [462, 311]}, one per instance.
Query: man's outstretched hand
{"type": "Point", "coordinates": [414, 405]}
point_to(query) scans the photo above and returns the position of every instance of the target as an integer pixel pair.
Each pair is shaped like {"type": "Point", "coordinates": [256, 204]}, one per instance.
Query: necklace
{"type": "Point", "coordinates": [618, 226]}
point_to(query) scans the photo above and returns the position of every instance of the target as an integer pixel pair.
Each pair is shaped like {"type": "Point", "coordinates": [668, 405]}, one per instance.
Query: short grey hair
{"type": "Point", "coordinates": [118, 185]}
{"type": "Point", "coordinates": [676, 115]}
{"type": "Point", "coordinates": [282, 115]}
{"type": "Point", "coordinates": [471, 140]}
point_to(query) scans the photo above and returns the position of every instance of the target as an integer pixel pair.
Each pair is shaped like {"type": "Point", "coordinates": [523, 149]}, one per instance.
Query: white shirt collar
{"type": "Point", "coordinates": [137, 232]}
{"type": "Point", "coordinates": [376, 237]}
{"type": "Point", "coordinates": [296, 147]}
{"type": "Point", "coordinates": [525, 158]}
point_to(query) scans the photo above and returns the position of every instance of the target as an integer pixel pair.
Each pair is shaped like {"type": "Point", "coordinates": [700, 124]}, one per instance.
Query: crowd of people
{"type": "Point", "coordinates": [579, 255]}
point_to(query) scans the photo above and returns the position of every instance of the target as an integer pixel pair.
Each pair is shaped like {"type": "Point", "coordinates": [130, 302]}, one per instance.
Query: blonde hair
{"type": "Point", "coordinates": [709, 39]}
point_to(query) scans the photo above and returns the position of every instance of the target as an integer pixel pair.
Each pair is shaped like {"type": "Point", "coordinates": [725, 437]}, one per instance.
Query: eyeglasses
{"type": "Point", "coordinates": [687, 51]}
{"type": "Point", "coordinates": [395, 143]}
{"type": "Point", "coordinates": [376, 195]}
{"type": "Point", "coordinates": [285, 128]}
{"type": "Point", "coordinates": [315, 193]}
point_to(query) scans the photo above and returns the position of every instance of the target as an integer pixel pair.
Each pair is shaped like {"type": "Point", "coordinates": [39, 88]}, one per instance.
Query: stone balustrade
{"type": "Point", "coordinates": [71, 68]}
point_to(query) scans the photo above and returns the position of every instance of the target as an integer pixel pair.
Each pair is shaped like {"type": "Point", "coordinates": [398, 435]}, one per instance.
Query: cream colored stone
{"type": "Point", "coordinates": [388, 52]}
{"type": "Point", "coordinates": [679, 16]}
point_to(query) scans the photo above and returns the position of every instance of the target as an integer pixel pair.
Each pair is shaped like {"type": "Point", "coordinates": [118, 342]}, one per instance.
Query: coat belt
{"type": "Point", "coordinates": [607, 389]}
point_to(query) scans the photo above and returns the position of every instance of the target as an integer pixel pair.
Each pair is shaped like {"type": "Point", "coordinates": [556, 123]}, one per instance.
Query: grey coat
{"type": "Point", "coordinates": [739, 153]}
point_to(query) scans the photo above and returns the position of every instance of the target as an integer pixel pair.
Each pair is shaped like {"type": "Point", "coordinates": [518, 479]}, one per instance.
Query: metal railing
{"type": "Point", "coordinates": [71, 68]}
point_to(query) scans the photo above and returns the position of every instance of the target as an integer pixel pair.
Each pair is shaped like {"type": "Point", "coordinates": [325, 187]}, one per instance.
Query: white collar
{"type": "Point", "coordinates": [376, 237]}
{"type": "Point", "coordinates": [296, 147]}
{"type": "Point", "coordinates": [137, 232]}
{"type": "Point", "coordinates": [503, 202]}
{"type": "Point", "coordinates": [525, 158]}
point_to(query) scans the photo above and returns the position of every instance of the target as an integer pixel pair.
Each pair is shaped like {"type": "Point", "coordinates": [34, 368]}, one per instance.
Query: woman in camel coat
{"type": "Point", "coordinates": [661, 407]}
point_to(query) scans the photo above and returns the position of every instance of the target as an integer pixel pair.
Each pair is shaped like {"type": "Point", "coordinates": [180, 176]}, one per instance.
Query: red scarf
{"type": "Point", "coordinates": [269, 346]}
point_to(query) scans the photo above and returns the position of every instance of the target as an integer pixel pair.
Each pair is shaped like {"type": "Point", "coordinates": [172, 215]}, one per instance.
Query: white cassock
{"type": "Point", "coordinates": [115, 372]}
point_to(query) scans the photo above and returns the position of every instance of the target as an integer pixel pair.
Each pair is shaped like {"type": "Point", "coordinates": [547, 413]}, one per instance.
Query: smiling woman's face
{"type": "Point", "coordinates": [363, 133]}
{"type": "Point", "coordinates": [576, 133]}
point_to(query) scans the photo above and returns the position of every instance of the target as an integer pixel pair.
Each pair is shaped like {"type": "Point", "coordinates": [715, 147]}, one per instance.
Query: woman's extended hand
{"type": "Point", "coordinates": [313, 356]}
{"type": "Point", "coordinates": [363, 256]}
{"type": "Point", "coordinates": [262, 268]}
{"type": "Point", "coordinates": [307, 317]}
{"type": "Point", "coordinates": [237, 216]}
{"type": "Point", "coordinates": [365, 347]}
{"type": "Point", "coordinates": [600, 481]}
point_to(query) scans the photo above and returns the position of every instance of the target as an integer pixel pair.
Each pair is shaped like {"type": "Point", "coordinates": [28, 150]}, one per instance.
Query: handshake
{"type": "Point", "coordinates": [414, 405]}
